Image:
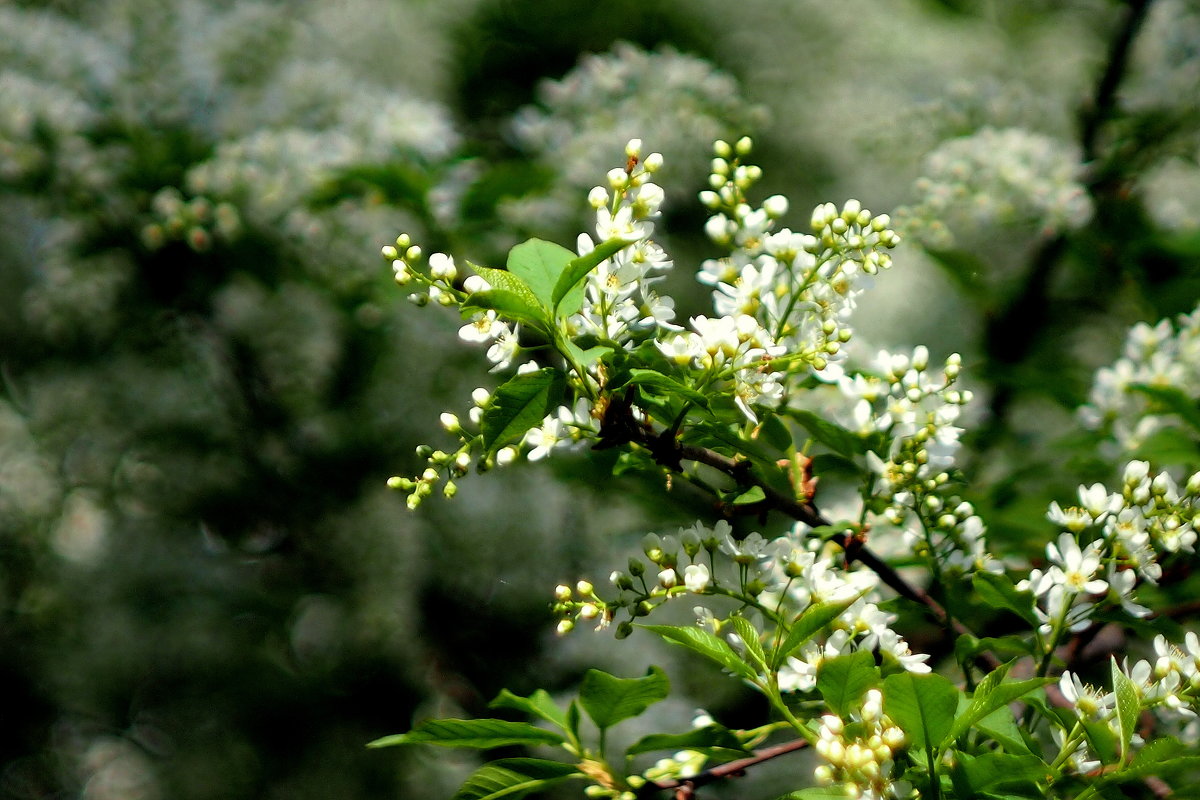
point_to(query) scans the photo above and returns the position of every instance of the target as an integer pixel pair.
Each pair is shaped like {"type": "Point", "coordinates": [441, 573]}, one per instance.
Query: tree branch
{"type": "Point", "coordinates": [669, 452]}
{"type": "Point", "coordinates": [685, 788]}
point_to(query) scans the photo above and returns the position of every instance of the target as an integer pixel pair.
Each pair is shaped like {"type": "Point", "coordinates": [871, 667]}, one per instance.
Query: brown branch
{"type": "Point", "coordinates": [685, 788]}
{"type": "Point", "coordinates": [669, 452]}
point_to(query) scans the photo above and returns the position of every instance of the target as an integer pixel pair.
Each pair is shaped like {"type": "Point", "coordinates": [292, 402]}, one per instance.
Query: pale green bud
{"type": "Point", "coordinates": [450, 489]}
{"type": "Point", "coordinates": [744, 146]}
{"type": "Point", "coordinates": [653, 162]}
{"type": "Point", "coordinates": [633, 148]}
{"type": "Point", "coordinates": [412, 253]}
{"type": "Point", "coordinates": [403, 241]}
{"type": "Point", "coordinates": [390, 252]}
{"type": "Point", "coordinates": [450, 422]}
{"type": "Point", "coordinates": [722, 148]}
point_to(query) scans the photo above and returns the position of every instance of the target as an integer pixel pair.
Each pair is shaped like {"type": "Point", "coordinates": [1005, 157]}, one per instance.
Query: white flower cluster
{"type": "Point", "coordinates": [1134, 529]}
{"type": "Point", "coordinates": [613, 97]}
{"type": "Point", "coordinates": [997, 178]}
{"type": "Point", "coordinates": [1167, 685]}
{"type": "Point", "coordinates": [799, 289]}
{"type": "Point", "coordinates": [861, 762]}
{"type": "Point", "coordinates": [916, 410]}
{"type": "Point", "coordinates": [1159, 356]}
{"type": "Point", "coordinates": [784, 577]}
{"type": "Point", "coordinates": [618, 301]}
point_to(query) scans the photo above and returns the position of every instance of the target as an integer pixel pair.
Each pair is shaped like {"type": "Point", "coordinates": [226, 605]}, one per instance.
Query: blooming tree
{"type": "Point", "coordinates": [761, 408]}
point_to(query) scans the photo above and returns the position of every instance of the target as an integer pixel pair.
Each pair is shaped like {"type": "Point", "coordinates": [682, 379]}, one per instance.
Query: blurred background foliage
{"type": "Point", "coordinates": [206, 375]}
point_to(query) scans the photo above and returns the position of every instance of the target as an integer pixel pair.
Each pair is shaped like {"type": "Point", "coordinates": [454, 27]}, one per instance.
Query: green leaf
{"type": "Point", "coordinates": [818, 793]}
{"type": "Point", "coordinates": [843, 680]}
{"type": "Point", "coordinates": [991, 694]}
{"type": "Point", "coordinates": [586, 357]}
{"type": "Point", "coordinates": [519, 404]}
{"type": "Point", "coordinates": [513, 778]}
{"type": "Point", "coordinates": [833, 436]}
{"type": "Point", "coordinates": [754, 494]}
{"type": "Point", "coordinates": [1159, 757]}
{"type": "Point", "coordinates": [1102, 740]}
{"type": "Point", "coordinates": [1171, 445]}
{"type": "Point", "coordinates": [967, 647]}
{"type": "Point", "coordinates": [706, 644]}
{"type": "Point", "coordinates": [573, 719]}
{"type": "Point", "coordinates": [808, 624]}
{"type": "Point", "coordinates": [749, 634]}
{"type": "Point", "coordinates": [505, 281]}
{"type": "Point", "coordinates": [774, 432]}
{"type": "Point", "coordinates": [999, 591]}
{"type": "Point", "coordinates": [1001, 726]}
{"type": "Point", "coordinates": [710, 737]}
{"type": "Point", "coordinates": [567, 297]}
{"type": "Point", "coordinates": [608, 699]}
{"type": "Point", "coordinates": [540, 263]}
{"type": "Point", "coordinates": [661, 384]}
{"type": "Point", "coordinates": [1171, 400]}
{"type": "Point", "coordinates": [1128, 706]}
{"type": "Point", "coordinates": [923, 705]}
{"type": "Point", "coordinates": [538, 704]}
{"type": "Point", "coordinates": [507, 305]}
{"type": "Point", "coordinates": [1000, 771]}
{"type": "Point", "coordinates": [478, 733]}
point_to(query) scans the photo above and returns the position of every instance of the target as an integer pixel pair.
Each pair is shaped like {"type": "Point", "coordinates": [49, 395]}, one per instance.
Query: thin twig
{"type": "Point", "coordinates": [686, 787]}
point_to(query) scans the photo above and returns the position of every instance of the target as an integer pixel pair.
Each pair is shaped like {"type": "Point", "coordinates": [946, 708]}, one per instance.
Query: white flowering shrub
{"type": "Point", "coordinates": [807, 615]}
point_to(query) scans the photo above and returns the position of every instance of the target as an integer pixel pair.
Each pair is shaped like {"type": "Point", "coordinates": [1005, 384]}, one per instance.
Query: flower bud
{"type": "Point", "coordinates": [633, 148]}
{"type": "Point", "coordinates": [744, 146]}
{"type": "Point", "coordinates": [653, 162]}
{"type": "Point", "coordinates": [668, 578]}
{"type": "Point", "coordinates": [390, 252]}
{"type": "Point", "coordinates": [585, 588]}
{"type": "Point", "coordinates": [450, 422]}
{"type": "Point", "coordinates": [598, 197]}
{"type": "Point", "coordinates": [565, 626]}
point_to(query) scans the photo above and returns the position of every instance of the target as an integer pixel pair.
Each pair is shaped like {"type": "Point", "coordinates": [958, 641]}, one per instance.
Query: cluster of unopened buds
{"type": "Point", "coordinates": [438, 284]}
{"type": "Point", "coordinates": [196, 222]}
{"type": "Point", "coordinates": [448, 466]}
{"type": "Point", "coordinates": [642, 588]}
{"type": "Point", "coordinates": [859, 755]}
